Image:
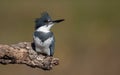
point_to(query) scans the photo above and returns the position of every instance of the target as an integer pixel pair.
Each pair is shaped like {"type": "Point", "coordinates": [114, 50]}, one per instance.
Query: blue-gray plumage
{"type": "Point", "coordinates": [43, 38]}
{"type": "Point", "coordinates": [42, 20]}
{"type": "Point", "coordinates": [52, 46]}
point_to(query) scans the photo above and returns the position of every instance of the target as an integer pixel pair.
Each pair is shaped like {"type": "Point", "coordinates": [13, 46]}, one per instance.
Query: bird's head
{"type": "Point", "coordinates": [45, 20]}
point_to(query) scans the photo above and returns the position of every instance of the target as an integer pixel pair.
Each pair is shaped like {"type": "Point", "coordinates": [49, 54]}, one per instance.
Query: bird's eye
{"type": "Point", "coordinates": [46, 21]}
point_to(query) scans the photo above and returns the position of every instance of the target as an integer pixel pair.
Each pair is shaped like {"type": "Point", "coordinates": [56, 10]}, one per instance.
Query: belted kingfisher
{"type": "Point", "coordinates": [43, 38]}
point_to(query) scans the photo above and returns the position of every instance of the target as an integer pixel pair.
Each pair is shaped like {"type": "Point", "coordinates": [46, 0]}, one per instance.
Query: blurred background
{"type": "Point", "coordinates": [87, 42]}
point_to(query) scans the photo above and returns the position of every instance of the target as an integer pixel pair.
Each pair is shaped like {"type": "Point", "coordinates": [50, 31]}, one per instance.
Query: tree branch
{"type": "Point", "coordinates": [23, 53]}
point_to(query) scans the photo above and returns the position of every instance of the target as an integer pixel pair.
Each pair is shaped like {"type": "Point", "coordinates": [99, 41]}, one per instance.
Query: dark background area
{"type": "Point", "coordinates": [87, 42]}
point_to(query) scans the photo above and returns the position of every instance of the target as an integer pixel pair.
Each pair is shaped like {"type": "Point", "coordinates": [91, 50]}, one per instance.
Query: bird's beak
{"type": "Point", "coordinates": [57, 21]}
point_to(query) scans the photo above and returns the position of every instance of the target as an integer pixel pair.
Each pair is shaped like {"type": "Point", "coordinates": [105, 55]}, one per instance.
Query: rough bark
{"type": "Point", "coordinates": [23, 53]}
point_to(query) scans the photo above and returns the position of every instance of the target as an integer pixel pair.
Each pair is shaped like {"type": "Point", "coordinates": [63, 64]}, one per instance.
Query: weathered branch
{"type": "Point", "coordinates": [22, 53]}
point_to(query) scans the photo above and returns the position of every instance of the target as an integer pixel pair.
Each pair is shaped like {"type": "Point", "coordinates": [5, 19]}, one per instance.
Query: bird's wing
{"type": "Point", "coordinates": [52, 46]}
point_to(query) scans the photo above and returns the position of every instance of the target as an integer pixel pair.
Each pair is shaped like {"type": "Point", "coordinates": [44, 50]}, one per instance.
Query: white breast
{"type": "Point", "coordinates": [43, 47]}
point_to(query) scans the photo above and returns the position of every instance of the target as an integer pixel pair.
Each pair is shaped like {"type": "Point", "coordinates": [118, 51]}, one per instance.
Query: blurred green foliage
{"type": "Point", "coordinates": [87, 42]}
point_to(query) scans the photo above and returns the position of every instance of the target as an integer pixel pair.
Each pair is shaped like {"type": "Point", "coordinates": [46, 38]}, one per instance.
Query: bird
{"type": "Point", "coordinates": [43, 37]}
